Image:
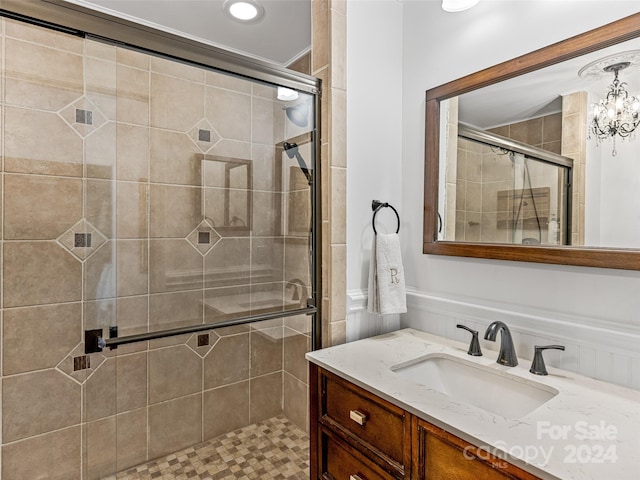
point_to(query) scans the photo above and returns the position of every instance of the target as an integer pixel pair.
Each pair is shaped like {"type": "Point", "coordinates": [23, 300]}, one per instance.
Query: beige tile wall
{"type": "Point", "coordinates": [574, 145]}
{"type": "Point", "coordinates": [542, 132]}
{"type": "Point", "coordinates": [468, 191]}
{"type": "Point", "coordinates": [328, 62]}
{"type": "Point", "coordinates": [482, 173]}
{"type": "Point", "coordinates": [132, 178]}
{"type": "Point", "coordinates": [545, 133]}
{"type": "Point", "coordinates": [454, 156]}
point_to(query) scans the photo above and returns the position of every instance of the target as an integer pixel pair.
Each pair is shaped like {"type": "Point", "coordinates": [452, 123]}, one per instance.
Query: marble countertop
{"type": "Point", "coordinates": [589, 430]}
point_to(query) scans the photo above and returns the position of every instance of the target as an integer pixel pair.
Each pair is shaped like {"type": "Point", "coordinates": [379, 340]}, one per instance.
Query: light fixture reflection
{"type": "Point", "coordinates": [618, 114]}
{"type": "Point", "coordinates": [458, 5]}
{"type": "Point", "coordinates": [286, 94]}
{"type": "Point", "coordinates": [244, 10]}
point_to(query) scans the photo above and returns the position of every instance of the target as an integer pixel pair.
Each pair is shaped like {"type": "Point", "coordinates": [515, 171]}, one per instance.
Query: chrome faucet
{"type": "Point", "coordinates": [507, 355]}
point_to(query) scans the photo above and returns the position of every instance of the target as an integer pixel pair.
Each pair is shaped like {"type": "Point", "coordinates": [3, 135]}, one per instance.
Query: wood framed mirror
{"type": "Point", "coordinates": [574, 247]}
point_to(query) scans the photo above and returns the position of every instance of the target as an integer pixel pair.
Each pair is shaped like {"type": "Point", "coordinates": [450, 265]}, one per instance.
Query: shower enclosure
{"type": "Point", "coordinates": [509, 192]}
{"type": "Point", "coordinates": [160, 260]}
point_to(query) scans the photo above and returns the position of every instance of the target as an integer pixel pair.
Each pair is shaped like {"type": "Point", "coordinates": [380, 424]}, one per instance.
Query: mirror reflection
{"type": "Point", "coordinates": [524, 162]}
{"type": "Point", "coordinates": [228, 191]}
{"type": "Point", "coordinates": [293, 178]}
{"type": "Point", "coordinates": [506, 192]}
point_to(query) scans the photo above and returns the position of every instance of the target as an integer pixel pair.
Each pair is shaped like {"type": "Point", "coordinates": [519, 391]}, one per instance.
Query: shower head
{"type": "Point", "coordinates": [290, 148]}
{"type": "Point", "coordinates": [292, 152]}
{"type": "Point", "coordinates": [298, 114]}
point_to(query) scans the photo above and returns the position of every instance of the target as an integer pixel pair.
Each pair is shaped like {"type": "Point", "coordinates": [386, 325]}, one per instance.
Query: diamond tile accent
{"type": "Point", "coordinates": [274, 449]}
{"type": "Point", "coordinates": [202, 350]}
{"type": "Point", "coordinates": [197, 238]}
{"type": "Point", "coordinates": [83, 116]}
{"type": "Point", "coordinates": [204, 238]}
{"type": "Point", "coordinates": [81, 363]}
{"type": "Point", "coordinates": [82, 240]}
{"type": "Point", "coordinates": [68, 365]}
{"type": "Point", "coordinates": [204, 135]}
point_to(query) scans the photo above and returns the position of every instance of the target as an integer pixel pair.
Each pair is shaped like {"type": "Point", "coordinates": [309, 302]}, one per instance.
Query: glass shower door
{"type": "Point", "coordinates": [143, 194]}
{"type": "Point", "coordinates": [202, 193]}
{"type": "Point", "coordinates": [503, 196]}
{"type": "Point", "coordinates": [537, 206]}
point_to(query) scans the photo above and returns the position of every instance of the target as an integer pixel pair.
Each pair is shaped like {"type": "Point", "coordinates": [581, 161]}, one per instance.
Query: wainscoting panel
{"type": "Point", "coordinates": [604, 350]}
{"type": "Point", "coordinates": [362, 324]}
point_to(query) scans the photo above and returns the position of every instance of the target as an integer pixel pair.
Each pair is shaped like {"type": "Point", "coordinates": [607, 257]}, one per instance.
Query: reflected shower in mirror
{"type": "Point", "coordinates": [227, 184]}
{"type": "Point", "coordinates": [572, 198]}
{"type": "Point", "coordinates": [502, 191]}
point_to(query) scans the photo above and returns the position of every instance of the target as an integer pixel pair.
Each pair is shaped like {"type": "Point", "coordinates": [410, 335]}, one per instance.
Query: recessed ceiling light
{"type": "Point", "coordinates": [244, 10]}
{"type": "Point", "coordinates": [458, 5]}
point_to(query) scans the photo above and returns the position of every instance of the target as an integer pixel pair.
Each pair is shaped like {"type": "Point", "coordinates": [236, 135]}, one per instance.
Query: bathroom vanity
{"type": "Point", "coordinates": [410, 405]}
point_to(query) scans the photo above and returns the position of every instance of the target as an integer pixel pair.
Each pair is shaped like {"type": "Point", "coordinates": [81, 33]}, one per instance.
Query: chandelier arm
{"type": "Point", "coordinates": [601, 132]}
{"type": "Point", "coordinates": [626, 129]}
{"type": "Point", "coordinates": [623, 90]}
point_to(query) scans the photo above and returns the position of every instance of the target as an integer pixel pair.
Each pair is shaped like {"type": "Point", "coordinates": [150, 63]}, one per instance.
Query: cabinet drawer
{"type": "Point", "coordinates": [443, 456]}
{"type": "Point", "coordinates": [342, 462]}
{"type": "Point", "coordinates": [367, 419]}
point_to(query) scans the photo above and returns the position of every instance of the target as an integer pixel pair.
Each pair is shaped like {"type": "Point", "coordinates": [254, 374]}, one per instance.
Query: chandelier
{"type": "Point", "coordinates": [618, 114]}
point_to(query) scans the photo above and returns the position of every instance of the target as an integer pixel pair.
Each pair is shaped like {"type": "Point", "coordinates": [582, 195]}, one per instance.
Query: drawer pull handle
{"type": "Point", "coordinates": [355, 477]}
{"type": "Point", "coordinates": [360, 418]}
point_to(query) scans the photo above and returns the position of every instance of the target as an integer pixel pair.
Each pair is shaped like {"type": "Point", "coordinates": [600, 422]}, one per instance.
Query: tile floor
{"type": "Point", "coordinates": [274, 449]}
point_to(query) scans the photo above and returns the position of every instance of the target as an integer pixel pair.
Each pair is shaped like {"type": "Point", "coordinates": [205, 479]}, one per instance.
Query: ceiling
{"type": "Point", "coordinates": [539, 93]}
{"type": "Point", "coordinates": [284, 33]}
{"type": "Point", "coordinates": [281, 36]}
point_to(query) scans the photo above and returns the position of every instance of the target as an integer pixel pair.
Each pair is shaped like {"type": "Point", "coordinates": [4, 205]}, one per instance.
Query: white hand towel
{"type": "Point", "coordinates": [387, 292]}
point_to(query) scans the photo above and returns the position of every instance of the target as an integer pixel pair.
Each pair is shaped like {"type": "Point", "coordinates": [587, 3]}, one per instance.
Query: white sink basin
{"type": "Point", "coordinates": [484, 387]}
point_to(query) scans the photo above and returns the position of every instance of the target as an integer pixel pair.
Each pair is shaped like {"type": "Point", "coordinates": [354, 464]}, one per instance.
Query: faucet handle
{"type": "Point", "coordinates": [474, 346]}
{"type": "Point", "coordinates": [537, 366]}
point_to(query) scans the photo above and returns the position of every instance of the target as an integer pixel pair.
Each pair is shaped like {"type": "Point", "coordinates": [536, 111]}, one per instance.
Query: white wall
{"type": "Point", "coordinates": [612, 216]}
{"type": "Point", "coordinates": [438, 47]}
{"type": "Point", "coordinates": [620, 213]}
{"type": "Point", "coordinates": [374, 147]}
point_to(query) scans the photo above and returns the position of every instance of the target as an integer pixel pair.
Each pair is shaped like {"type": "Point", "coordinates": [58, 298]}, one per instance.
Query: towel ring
{"type": "Point", "coordinates": [376, 206]}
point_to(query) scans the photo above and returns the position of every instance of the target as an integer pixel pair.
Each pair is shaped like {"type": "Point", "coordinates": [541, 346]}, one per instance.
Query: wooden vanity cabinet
{"type": "Point", "coordinates": [340, 459]}
{"type": "Point", "coordinates": [439, 455]}
{"type": "Point", "coordinates": [371, 430]}
{"type": "Point", "coordinates": [356, 435]}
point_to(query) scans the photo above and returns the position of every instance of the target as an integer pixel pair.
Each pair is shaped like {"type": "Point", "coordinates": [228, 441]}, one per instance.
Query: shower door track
{"type": "Point", "coordinates": [95, 342]}
{"type": "Point", "coordinates": [493, 139]}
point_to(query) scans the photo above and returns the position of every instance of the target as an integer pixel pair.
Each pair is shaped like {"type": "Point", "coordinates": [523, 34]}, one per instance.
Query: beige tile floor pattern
{"type": "Point", "coordinates": [274, 449]}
